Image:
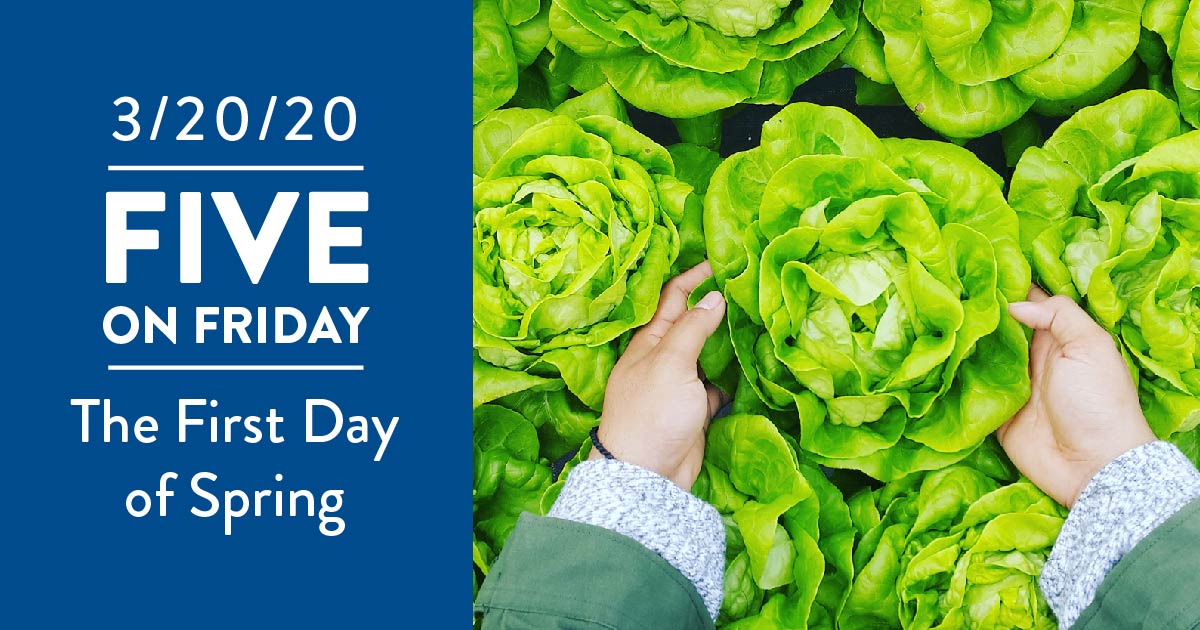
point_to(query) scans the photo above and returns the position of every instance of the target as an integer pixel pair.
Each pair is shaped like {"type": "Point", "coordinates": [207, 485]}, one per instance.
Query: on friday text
{"type": "Point", "coordinates": [324, 422]}
{"type": "Point", "coordinates": [238, 324]}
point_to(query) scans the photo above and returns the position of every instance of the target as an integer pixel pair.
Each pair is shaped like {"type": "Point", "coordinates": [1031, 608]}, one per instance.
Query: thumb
{"type": "Point", "coordinates": [683, 342]}
{"type": "Point", "coordinates": [1060, 316]}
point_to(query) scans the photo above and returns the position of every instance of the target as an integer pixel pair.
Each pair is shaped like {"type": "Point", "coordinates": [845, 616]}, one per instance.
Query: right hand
{"type": "Point", "coordinates": [1083, 410]}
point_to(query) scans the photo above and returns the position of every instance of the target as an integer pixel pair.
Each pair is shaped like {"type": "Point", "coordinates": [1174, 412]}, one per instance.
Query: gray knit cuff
{"type": "Point", "coordinates": [1120, 506]}
{"type": "Point", "coordinates": [651, 509]}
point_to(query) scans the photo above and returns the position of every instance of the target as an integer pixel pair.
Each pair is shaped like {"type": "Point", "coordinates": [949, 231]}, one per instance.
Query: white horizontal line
{"type": "Point", "coordinates": [235, 167]}
{"type": "Point", "coordinates": [235, 368]}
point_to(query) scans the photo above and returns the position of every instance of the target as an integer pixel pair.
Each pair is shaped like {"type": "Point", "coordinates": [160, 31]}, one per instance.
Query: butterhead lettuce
{"type": "Point", "coordinates": [510, 478]}
{"type": "Point", "coordinates": [867, 284]}
{"type": "Point", "coordinates": [970, 67]}
{"type": "Point", "coordinates": [788, 531]}
{"type": "Point", "coordinates": [1170, 48]}
{"type": "Point", "coordinates": [1109, 213]}
{"type": "Point", "coordinates": [952, 548]}
{"type": "Point", "coordinates": [577, 220]}
{"type": "Point", "coordinates": [507, 37]}
{"type": "Point", "coordinates": [687, 59]}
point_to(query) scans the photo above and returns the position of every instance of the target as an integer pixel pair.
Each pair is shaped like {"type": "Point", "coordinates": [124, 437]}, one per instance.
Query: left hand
{"type": "Point", "coordinates": [656, 407]}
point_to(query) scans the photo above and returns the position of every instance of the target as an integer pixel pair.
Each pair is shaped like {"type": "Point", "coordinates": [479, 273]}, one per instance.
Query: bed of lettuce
{"type": "Point", "coordinates": [867, 345]}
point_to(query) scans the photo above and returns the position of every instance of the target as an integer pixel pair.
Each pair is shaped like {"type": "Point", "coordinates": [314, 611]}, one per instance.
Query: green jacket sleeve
{"type": "Point", "coordinates": [561, 575]}
{"type": "Point", "coordinates": [1156, 584]}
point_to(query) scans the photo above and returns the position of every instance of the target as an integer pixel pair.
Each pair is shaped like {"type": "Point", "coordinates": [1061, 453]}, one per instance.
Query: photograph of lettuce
{"type": "Point", "coordinates": [836, 163]}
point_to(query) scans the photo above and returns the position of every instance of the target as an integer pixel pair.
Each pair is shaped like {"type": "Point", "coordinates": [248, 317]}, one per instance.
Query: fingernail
{"type": "Point", "coordinates": [710, 301]}
{"type": "Point", "coordinates": [1022, 311]}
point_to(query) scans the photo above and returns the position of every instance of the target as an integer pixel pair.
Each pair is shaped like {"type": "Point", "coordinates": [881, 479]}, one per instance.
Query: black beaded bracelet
{"type": "Point", "coordinates": [600, 447]}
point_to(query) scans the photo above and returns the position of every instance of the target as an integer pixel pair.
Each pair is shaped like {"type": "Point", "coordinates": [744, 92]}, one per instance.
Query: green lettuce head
{"type": "Point", "coordinates": [968, 67]}
{"type": "Point", "coordinates": [951, 549]}
{"type": "Point", "coordinates": [510, 478]}
{"type": "Point", "coordinates": [788, 532]}
{"type": "Point", "coordinates": [1170, 47]}
{"type": "Point", "coordinates": [867, 284]}
{"type": "Point", "coordinates": [577, 221]}
{"type": "Point", "coordinates": [509, 39]}
{"type": "Point", "coordinates": [689, 58]}
{"type": "Point", "coordinates": [1110, 216]}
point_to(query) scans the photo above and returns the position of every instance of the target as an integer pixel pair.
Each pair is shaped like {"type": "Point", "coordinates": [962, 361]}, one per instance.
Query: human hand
{"type": "Point", "coordinates": [656, 407]}
{"type": "Point", "coordinates": [1083, 411]}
